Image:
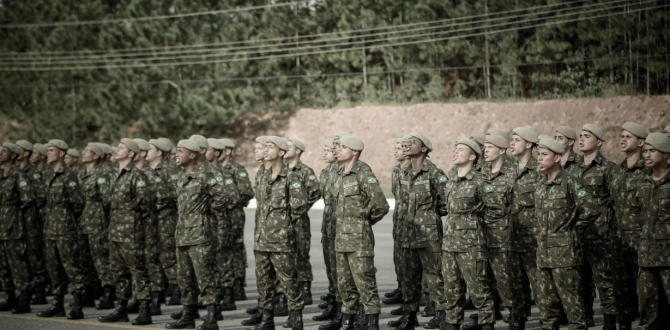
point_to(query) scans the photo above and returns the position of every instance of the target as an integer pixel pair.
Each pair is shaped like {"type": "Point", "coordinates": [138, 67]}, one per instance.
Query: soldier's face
{"type": "Point", "coordinates": [518, 145]}
{"type": "Point", "coordinates": [630, 142]}
{"type": "Point", "coordinates": [564, 141]}
{"type": "Point", "coordinates": [36, 157]}
{"type": "Point", "coordinates": [54, 154]}
{"type": "Point", "coordinates": [415, 147]}
{"type": "Point", "coordinates": [70, 161]}
{"type": "Point", "coordinates": [492, 153]}
{"type": "Point", "coordinates": [153, 153]}
{"type": "Point", "coordinates": [24, 154]}
{"type": "Point", "coordinates": [588, 142]}
{"type": "Point", "coordinates": [462, 155]}
{"type": "Point", "coordinates": [88, 156]}
{"type": "Point", "coordinates": [122, 152]}
{"type": "Point", "coordinates": [652, 157]}
{"type": "Point", "coordinates": [184, 156]}
{"type": "Point", "coordinates": [212, 154]}
{"type": "Point", "coordinates": [272, 152]}
{"type": "Point", "coordinates": [5, 155]}
{"type": "Point", "coordinates": [328, 156]}
{"type": "Point", "coordinates": [259, 152]}
{"type": "Point", "coordinates": [547, 159]}
{"type": "Point", "coordinates": [291, 150]}
{"type": "Point", "coordinates": [346, 154]}
{"type": "Point", "coordinates": [337, 148]}
{"type": "Point", "coordinates": [399, 153]}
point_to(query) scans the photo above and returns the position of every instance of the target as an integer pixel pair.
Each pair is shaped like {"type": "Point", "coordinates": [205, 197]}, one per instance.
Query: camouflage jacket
{"type": "Point", "coordinates": [166, 205]}
{"type": "Point", "coordinates": [245, 192]}
{"type": "Point", "coordinates": [397, 210]}
{"type": "Point", "coordinates": [200, 197]}
{"type": "Point", "coordinates": [221, 223]}
{"type": "Point", "coordinates": [17, 197]}
{"type": "Point", "coordinates": [326, 181]}
{"type": "Point", "coordinates": [313, 194]}
{"type": "Point", "coordinates": [652, 201]}
{"type": "Point", "coordinates": [282, 201]}
{"type": "Point", "coordinates": [33, 216]}
{"type": "Point", "coordinates": [572, 165]}
{"type": "Point", "coordinates": [453, 172]}
{"type": "Point", "coordinates": [64, 203]}
{"type": "Point", "coordinates": [563, 209]}
{"type": "Point", "coordinates": [597, 178]}
{"type": "Point", "coordinates": [424, 199]}
{"type": "Point", "coordinates": [96, 187]}
{"type": "Point", "coordinates": [232, 190]}
{"type": "Point", "coordinates": [498, 204]}
{"type": "Point", "coordinates": [360, 204]}
{"type": "Point", "coordinates": [160, 198]}
{"type": "Point", "coordinates": [464, 227]}
{"type": "Point", "coordinates": [524, 224]}
{"type": "Point", "coordinates": [130, 205]}
{"type": "Point", "coordinates": [628, 224]}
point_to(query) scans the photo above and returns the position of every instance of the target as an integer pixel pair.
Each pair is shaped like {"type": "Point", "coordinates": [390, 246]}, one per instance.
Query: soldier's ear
{"type": "Point", "coordinates": [640, 143]}
{"type": "Point", "coordinates": [557, 158]}
{"type": "Point", "coordinates": [282, 153]}
{"type": "Point", "coordinates": [599, 143]}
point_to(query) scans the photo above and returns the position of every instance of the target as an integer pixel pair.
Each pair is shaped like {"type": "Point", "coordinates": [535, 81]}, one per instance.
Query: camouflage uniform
{"type": "Point", "coordinates": [522, 261]}
{"type": "Point", "coordinates": [328, 228]}
{"type": "Point", "coordinates": [237, 217]}
{"type": "Point", "coordinates": [598, 178]}
{"type": "Point", "coordinates": [17, 198]}
{"type": "Point", "coordinates": [160, 198]}
{"type": "Point", "coordinates": [225, 232]}
{"type": "Point", "coordinates": [282, 201]}
{"type": "Point", "coordinates": [652, 202]}
{"type": "Point", "coordinates": [130, 213]}
{"type": "Point", "coordinates": [64, 203]}
{"type": "Point", "coordinates": [360, 204]}
{"type": "Point", "coordinates": [464, 256]}
{"type": "Point", "coordinates": [86, 262]}
{"type": "Point", "coordinates": [34, 228]}
{"type": "Point", "coordinates": [302, 229]}
{"type": "Point", "coordinates": [397, 224]}
{"type": "Point", "coordinates": [423, 195]}
{"type": "Point", "coordinates": [564, 208]}
{"type": "Point", "coordinates": [201, 198]}
{"type": "Point", "coordinates": [572, 164]}
{"type": "Point", "coordinates": [167, 220]}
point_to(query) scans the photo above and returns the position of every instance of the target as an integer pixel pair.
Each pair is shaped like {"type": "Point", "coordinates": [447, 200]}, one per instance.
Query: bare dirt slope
{"type": "Point", "coordinates": [379, 126]}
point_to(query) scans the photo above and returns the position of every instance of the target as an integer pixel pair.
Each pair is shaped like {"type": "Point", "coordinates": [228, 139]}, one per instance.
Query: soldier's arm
{"type": "Point", "coordinates": [298, 197]}
{"type": "Point", "coordinates": [439, 181]}
{"type": "Point", "coordinates": [313, 189]}
{"type": "Point", "coordinates": [104, 188]}
{"type": "Point", "coordinates": [142, 196]}
{"type": "Point", "coordinates": [378, 207]}
{"type": "Point", "coordinates": [219, 195]}
{"type": "Point", "coordinates": [233, 191]}
{"type": "Point", "coordinates": [162, 193]}
{"type": "Point", "coordinates": [244, 185]}
{"type": "Point", "coordinates": [75, 197]}
{"type": "Point", "coordinates": [26, 192]}
{"type": "Point", "coordinates": [586, 208]}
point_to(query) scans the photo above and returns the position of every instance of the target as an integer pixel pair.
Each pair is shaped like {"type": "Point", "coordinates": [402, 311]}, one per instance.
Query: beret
{"type": "Point", "coordinates": [497, 141]}
{"type": "Point", "coordinates": [298, 144]}
{"type": "Point", "coordinates": [477, 137]}
{"type": "Point", "coordinates": [173, 151]}
{"type": "Point", "coordinates": [216, 144]}
{"type": "Point", "coordinates": [636, 129]}
{"type": "Point", "coordinates": [143, 144]}
{"type": "Point", "coordinates": [228, 143]}
{"type": "Point", "coordinates": [167, 140]}
{"type": "Point", "coordinates": [96, 148]}
{"type": "Point", "coordinates": [13, 147]}
{"type": "Point", "coordinates": [595, 130]}
{"type": "Point", "coordinates": [74, 153]}
{"type": "Point", "coordinates": [424, 139]}
{"type": "Point", "coordinates": [200, 140]}
{"type": "Point", "coordinates": [526, 134]}
{"type": "Point", "coordinates": [262, 139]}
{"type": "Point", "coordinates": [567, 131]}
{"type": "Point", "coordinates": [161, 145]}
{"type": "Point", "coordinates": [189, 145]}
{"type": "Point", "coordinates": [400, 140]}
{"type": "Point", "coordinates": [352, 142]}
{"type": "Point", "coordinates": [60, 144]}
{"type": "Point", "coordinates": [106, 148]}
{"type": "Point", "coordinates": [497, 131]}
{"type": "Point", "coordinates": [552, 145]}
{"type": "Point", "coordinates": [113, 149]}
{"type": "Point", "coordinates": [132, 145]}
{"type": "Point", "coordinates": [659, 141]}
{"type": "Point", "coordinates": [470, 143]}
{"type": "Point", "coordinates": [25, 145]}
{"type": "Point", "coordinates": [540, 137]}
{"type": "Point", "coordinates": [328, 143]}
{"type": "Point", "coordinates": [40, 148]}
{"type": "Point", "coordinates": [666, 129]}
{"type": "Point", "coordinates": [338, 135]}
{"type": "Point", "coordinates": [279, 142]}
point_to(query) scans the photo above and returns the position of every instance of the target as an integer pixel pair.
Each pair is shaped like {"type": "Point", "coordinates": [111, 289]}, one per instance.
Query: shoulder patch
{"type": "Point", "coordinates": [219, 178]}
{"type": "Point", "coordinates": [72, 184]}
{"type": "Point", "coordinates": [489, 188]}
{"type": "Point", "coordinates": [101, 180]}
{"type": "Point", "coordinates": [581, 193]}
{"type": "Point", "coordinates": [442, 178]}
{"type": "Point", "coordinates": [174, 176]}
{"type": "Point", "coordinates": [372, 179]}
{"type": "Point", "coordinates": [212, 181]}
{"type": "Point", "coordinates": [296, 185]}
{"type": "Point", "coordinates": [230, 181]}
{"type": "Point", "coordinates": [37, 176]}
{"type": "Point", "coordinates": [141, 183]}
{"type": "Point", "coordinates": [158, 179]}
{"type": "Point", "coordinates": [312, 177]}
{"type": "Point", "coordinates": [243, 174]}
{"type": "Point", "coordinates": [23, 183]}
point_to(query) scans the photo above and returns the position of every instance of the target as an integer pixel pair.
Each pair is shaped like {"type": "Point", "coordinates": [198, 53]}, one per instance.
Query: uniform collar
{"type": "Point", "coordinates": [468, 176]}
{"type": "Point", "coordinates": [638, 164]}
{"type": "Point", "coordinates": [557, 180]}
{"type": "Point", "coordinates": [128, 167]}
{"type": "Point", "coordinates": [283, 172]}
{"type": "Point", "coordinates": [355, 169]}
{"type": "Point", "coordinates": [650, 178]}
{"type": "Point", "coordinates": [11, 170]}
{"type": "Point", "coordinates": [598, 160]}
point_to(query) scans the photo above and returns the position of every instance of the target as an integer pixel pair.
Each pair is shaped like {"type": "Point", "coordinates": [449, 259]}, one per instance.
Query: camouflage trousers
{"type": "Point", "coordinates": [168, 257]}
{"type": "Point", "coordinates": [499, 263]}
{"type": "Point", "coordinates": [463, 270]}
{"type": "Point", "coordinates": [598, 268]}
{"type": "Point", "coordinates": [419, 264]}
{"type": "Point", "coordinates": [522, 267]}
{"type": "Point", "coordinates": [561, 285]}
{"type": "Point", "coordinates": [357, 282]}
{"type": "Point", "coordinates": [196, 274]}
{"type": "Point", "coordinates": [397, 261]}
{"type": "Point", "coordinates": [273, 266]}
{"type": "Point", "coordinates": [38, 265]}
{"type": "Point", "coordinates": [128, 266]}
{"type": "Point", "coordinates": [224, 261]}
{"type": "Point", "coordinates": [95, 253]}
{"type": "Point", "coordinates": [14, 267]}
{"type": "Point", "coordinates": [239, 260]}
{"type": "Point", "coordinates": [651, 285]}
{"type": "Point", "coordinates": [303, 245]}
{"type": "Point", "coordinates": [86, 262]}
{"type": "Point", "coordinates": [330, 259]}
{"type": "Point", "coordinates": [62, 258]}
{"type": "Point", "coordinates": [625, 272]}
{"type": "Point", "coordinates": [152, 255]}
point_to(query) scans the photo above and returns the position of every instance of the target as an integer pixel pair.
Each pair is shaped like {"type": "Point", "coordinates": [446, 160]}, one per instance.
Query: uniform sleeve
{"type": "Point", "coordinates": [104, 188]}
{"type": "Point", "coordinates": [142, 196]}
{"type": "Point", "coordinates": [313, 189]}
{"type": "Point", "coordinates": [219, 195]}
{"type": "Point", "coordinates": [161, 193]}
{"type": "Point", "coordinates": [232, 190]}
{"type": "Point", "coordinates": [586, 209]}
{"type": "Point", "coordinates": [439, 182]}
{"type": "Point", "coordinates": [378, 207]}
{"type": "Point", "coordinates": [171, 177]}
{"type": "Point", "coordinates": [298, 196]}
{"type": "Point", "coordinates": [244, 185]}
{"type": "Point", "coordinates": [75, 197]}
{"type": "Point", "coordinates": [26, 191]}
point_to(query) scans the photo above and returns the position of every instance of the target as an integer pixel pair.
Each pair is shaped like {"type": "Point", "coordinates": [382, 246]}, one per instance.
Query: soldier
{"type": "Point", "coordinates": [64, 203]}
{"type": "Point", "coordinates": [72, 160]}
{"type": "Point", "coordinates": [18, 200]}
{"type": "Point", "coordinates": [131, 212]}
{"type": "Point", "coordinates": [33, 220]}
{"type": "Point", "coordinates": [666, 131]}
{"type": "Point", "coordinates": [542, 136]}
{"type": "Point", "coordinates": [567, 136]}
{"type": "Point", "coordinates": [464, 259]}
{"type": "Point", "coordinates": [39, 158]}
{"type": "Point", "coordinates": [201, 197]}
{"type": "Point", "coordinates": [94, 224]}
{"type": "Point", "coordinates": [564, 209]}
{"type": "Point", "coordinates": [499, 132]}
{"type": "Point", "coordinates": [651, 202]}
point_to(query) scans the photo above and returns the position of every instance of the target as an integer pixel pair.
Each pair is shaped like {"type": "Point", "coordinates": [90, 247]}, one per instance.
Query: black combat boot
{"type": "Point", "coordinates": [254, 319]}
{"type": "Point", "coordinates": [120, 314]}
{"type": "Point", "coordinates": [23, 306]}
{"type": "Point", "coordinates": [497, 302]}
{"type": "Point", "coordinates": [394, 300]}
{"type": "Point", "coordinates": [144, 318]}
{"type": "Point", "coordinates": [361, 322]}
{"type": "Point", "coordinates": [453, 326]}
{"type": "Point", "coordinates": [563, 318]}
{"type": "Point", "coordinates": [39, 298]}
{"type": "Point", "coordinates": [307, 293]}
{"type": "Point", "coordinates": [186, 319]}
{"type": "Point", "coordinates": [267, 320]}
{"type": "Point", "coordinates": [194, 313]}
{"type": "Point", "coordinates": [175, 297]}
{"type": "Point", "coordinates": [327, 297]}
{"type": "Point", "coordinates": [238, 289]}
{"type": "Point", "coordinates": [425, 298]}
{"type": "Point", "coordinates": [398, 311]}
{"type": "Point", "coordinates": [297, 323]}
{"type": "Point", "coordinates": [281, 309]}
{"type": "Point", "coordinates": [211, 319]}
{"type": "Point", "coordinates": [155, 308]}
{"type": "Point", "coordinates": [328, 313]}
{"type": "Point", "coordinates": [373, 322]}
{"type": "Point", "coordinates": [134, 305]}
{"type": "Point", "coordinates": [348, 321]}
{"type": "Point", "coordinates": [228, 301]}
{"type": "Point", "coordinates": [88, 298]}
{"type": "Point", "coordinates": [434, 323]}
{"type": "Point", "coordinates": [429, 311]}
{"type": "Point", "coordinates": [56, 308]}
{"type": "Point", "coordinates": [625, 325]}
{"type": "Point", "coordinates": [325, 304]}
{"type": "Point", "coordinates": [409, 321]}
{"type": "Point", "coordinates": [488, 326]}
{"type": "Point", "coordinates": [10, 301]}
{"type": "Point", "coordinates": [336, 322]}
{"type": "Point", "coordinates": [252, 310]}
{"type": "Point", "coordinates": [217, 302]}
{"type": "Point", "coordinates": [609, 322]}
{"type": "Point", "coordinates": [77, 312]}
{"type": "Point", "coordinates": [106, 301]}
{"type": "Point", "coordinates": [516, 322]}
{"type": "Point", "coordinates": [393, 292]}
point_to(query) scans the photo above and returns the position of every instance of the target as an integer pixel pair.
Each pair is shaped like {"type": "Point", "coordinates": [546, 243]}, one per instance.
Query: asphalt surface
{"type": "Point", "coordinates": [385, 278]}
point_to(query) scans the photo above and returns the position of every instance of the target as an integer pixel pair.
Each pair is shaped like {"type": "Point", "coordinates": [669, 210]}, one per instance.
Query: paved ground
{"type": "Point", "coordinates": [385, 278]}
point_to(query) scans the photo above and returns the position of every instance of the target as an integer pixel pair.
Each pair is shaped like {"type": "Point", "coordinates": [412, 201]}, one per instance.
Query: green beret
{"type": "Point", "coordinates": [96, 148]}
{"type": "Point", "coordinates": [352, 142]}
{"type": "Point", "coordinates": [526, 134]}
{"type": "Point", "coordinates": [132, 145]}
{"type": "Point", "coordinates": [424, 139]}
{"type": "Point", "coordinates": [200, 140]}
{"type": "Point", "coordinates": [12, 147]}
{"type": "Point", "coordinates": [113, 149]}
{"type": "Point", "coordinates": [279, 142]}
{"type": "Point", "coordinates": [60, 144]}
{"type": "Point", "coordinates": [161, 145]}
{"type": "Point", "coordinates": [406, 137]}
{"type": "Point", "coordinates": [262, 139]}
{"type": "Point", "coordinates": [636, 129]}
{"type": "Point", "coordinates": [498, 141]}
{"type": "Point", "coordinates": [595, 130]}
{"type": "Point", "coordinates": [328, 143]}
{"type": "Point", "coordinates": [27, 146]}
{"type": "Point", "coordinates": [470, 143]}
{"type": "Point", "coordinates": [567, 131]}
{"type": "Point", "coordinates": [167, 141]}
{"type": "Point", "coordinates": [189, 145]}
{"type": "Point", "coordinates": [73, 153]}
{"type": "Point", "coordinates": [540, 137]}
{"type": "Point", "coordinates": [173, 151]}
{"type": "Point", "coordinates": [659, 141]}
{"type": "Point", "coordinates": [497, 131]}
{"type": "Point", "coordinates": [400, 141]}
{"type": "Point", "coordinates": [666, 129]}
{"type": "Point", "coordinates": [552, 145]}
{"type": "Point", "coordinates": [143, 144]}
{"type": "Point", "coordinates": [338, 135]}
{"type": "Point", "coordinates": [216, 144]}
{"type": "Point", "coordinates": [106, 148]}
{"type": "Point", "coordinates": [297, 143]}
{"type": "Point", "coordinates": [42, 149]}
{"type": "Point", "coordinates": [478, 137]}
{"type": "Point", "coordinates": [228, 143]}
